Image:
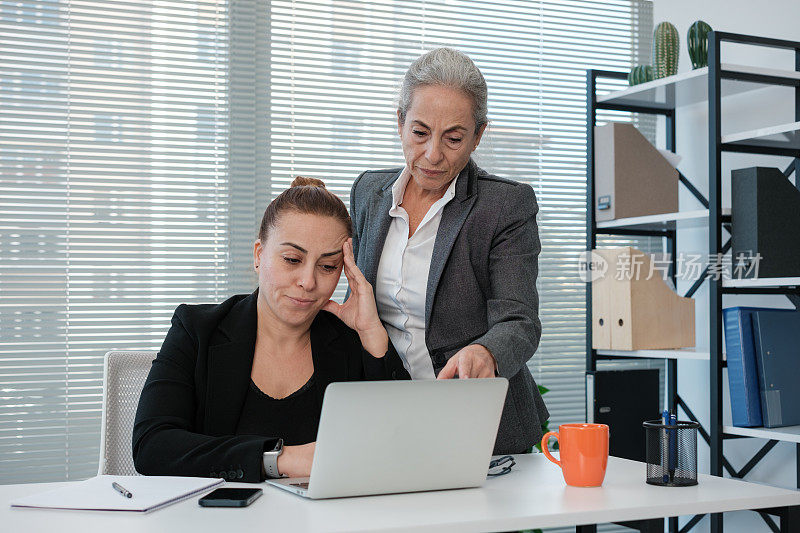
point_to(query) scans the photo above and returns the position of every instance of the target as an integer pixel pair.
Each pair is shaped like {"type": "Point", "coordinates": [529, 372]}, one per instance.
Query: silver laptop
{"type": "Point", "coordinates": [383, 437]}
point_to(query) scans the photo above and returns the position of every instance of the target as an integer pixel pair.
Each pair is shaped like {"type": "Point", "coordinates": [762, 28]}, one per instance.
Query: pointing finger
{"type": "Point", "coordinates": [449, 370]}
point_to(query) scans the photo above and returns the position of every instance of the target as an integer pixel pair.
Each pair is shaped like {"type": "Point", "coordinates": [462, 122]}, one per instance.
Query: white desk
{"type": "Point", "coordinates": [532, 495]}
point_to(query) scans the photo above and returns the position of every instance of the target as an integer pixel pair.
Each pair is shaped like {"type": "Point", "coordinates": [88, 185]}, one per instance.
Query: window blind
{"type": "Point", "coordinates": [114, 204]}
{"type": "Point", "coordinates": [141, 142]}
{"type": "Point", "coordinates": [334, 71]}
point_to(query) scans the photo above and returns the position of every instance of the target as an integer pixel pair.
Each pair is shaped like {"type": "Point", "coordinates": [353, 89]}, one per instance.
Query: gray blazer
{"type": "Point", "coordinates": [481, 284]}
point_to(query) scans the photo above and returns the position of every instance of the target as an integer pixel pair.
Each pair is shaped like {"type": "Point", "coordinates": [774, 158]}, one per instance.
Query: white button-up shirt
{"type": "Point", "coordinates": [402, 279]}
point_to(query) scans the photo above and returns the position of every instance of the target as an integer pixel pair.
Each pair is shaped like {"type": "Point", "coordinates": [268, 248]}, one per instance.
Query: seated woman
{"type": "Point", "coordinates": [235, 382]}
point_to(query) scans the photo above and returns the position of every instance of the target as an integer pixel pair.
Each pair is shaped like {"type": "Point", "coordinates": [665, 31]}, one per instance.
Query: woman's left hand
{"type": "Point", "coordinates": [359, 312]}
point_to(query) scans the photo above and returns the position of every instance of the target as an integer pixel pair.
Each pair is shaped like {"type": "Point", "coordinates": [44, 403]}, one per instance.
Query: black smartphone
{"type": "Point", "coordinates": [230, 497]}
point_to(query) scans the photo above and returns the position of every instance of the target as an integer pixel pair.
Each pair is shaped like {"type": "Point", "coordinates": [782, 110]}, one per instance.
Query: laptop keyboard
{"type": "Point", "coordinates": [301, 484]}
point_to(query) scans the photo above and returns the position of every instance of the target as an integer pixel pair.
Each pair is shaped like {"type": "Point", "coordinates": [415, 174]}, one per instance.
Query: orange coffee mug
{"type": "Point", "coordinates": [584, 453]}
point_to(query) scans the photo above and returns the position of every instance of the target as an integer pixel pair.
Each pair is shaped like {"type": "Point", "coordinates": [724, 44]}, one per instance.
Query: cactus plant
{"type": "Point", "coordinates": [640, 74]}
{"type": "Point", "coordinates": [697, 43]}
{"type": "Point", "coordinates": [666, 46]}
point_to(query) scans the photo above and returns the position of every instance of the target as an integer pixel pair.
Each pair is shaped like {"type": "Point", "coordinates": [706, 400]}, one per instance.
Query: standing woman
{"type": "Point", "coordinates": [451, 250]}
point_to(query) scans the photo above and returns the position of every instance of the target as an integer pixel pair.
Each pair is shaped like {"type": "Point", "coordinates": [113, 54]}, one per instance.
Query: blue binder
{"type": "Point", "coordinates": [778, 360]}
{"type": "Point", "coordinates": [742, 370]}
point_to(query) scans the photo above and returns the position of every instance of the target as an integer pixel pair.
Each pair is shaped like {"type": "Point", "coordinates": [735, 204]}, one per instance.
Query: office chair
{"type": "Point", "coordinates": [124, 374]}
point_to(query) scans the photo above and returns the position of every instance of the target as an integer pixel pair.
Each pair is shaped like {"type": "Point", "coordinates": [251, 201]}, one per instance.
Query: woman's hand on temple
{"type": "Point", "coordinates": [472, 361]}
{"type": "Point", "coordinates": [296, 461]}
{"type": "Point", "coordinates": [359, 312]}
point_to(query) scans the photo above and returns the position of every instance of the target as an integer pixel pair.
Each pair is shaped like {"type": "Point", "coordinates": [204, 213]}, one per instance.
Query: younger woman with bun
{"type": "Point", "coordinates": [236, 389]}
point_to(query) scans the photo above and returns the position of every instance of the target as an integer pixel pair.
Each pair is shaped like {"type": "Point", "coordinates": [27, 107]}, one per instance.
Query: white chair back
{"type": "Point", "coordinates": [124, 374]}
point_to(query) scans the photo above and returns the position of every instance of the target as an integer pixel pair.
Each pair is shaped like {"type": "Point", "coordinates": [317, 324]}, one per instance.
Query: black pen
{"type": "Point", "coordinates": [122, 490]}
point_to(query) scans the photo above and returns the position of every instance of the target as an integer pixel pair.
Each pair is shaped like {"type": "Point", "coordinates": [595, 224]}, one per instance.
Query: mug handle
{"type": "Point", "coordinates": [545, 450]}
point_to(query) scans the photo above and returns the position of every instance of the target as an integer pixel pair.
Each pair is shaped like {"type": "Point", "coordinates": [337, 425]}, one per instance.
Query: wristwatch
{"type": "Point", "coordinates": [270, 460]}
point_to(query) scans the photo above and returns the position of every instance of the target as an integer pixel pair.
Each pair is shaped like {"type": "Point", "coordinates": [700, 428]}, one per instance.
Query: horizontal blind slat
{"type": "Point", "coordinates": [115, 204]}
{"type": "Point", "coordinates": [137, 139]}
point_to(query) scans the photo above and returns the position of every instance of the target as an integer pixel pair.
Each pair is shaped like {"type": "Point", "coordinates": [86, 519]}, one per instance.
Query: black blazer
{"type": "Point", "coordinates": [193, 396]}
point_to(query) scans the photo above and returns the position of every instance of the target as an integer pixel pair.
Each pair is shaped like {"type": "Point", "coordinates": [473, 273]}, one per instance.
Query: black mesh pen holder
{"type": "Point", "coordinates": [671, 453]}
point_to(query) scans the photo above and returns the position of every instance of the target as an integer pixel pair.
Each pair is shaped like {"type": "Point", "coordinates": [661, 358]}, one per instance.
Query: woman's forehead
{"type": "Point", "coordinates": [314, 230]}
{"type": "Point", "coordinates": [439, 103]}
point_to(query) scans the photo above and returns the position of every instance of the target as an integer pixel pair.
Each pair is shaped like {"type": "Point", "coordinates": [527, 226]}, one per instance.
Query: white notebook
{"type": "Point", "coordinates": [97, 494]}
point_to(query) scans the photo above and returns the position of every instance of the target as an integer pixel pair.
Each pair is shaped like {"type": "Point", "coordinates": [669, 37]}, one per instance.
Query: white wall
{"type": "Point", "coordinates": [778, 19]}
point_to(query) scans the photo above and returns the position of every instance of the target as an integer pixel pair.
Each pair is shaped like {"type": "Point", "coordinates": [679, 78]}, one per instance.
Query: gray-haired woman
{"type": "Point", "coordinates": [452, 251]}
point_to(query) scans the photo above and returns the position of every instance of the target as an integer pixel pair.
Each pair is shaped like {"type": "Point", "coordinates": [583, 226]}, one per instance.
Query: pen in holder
{"type": "Point", "coordinates": [671, 451]}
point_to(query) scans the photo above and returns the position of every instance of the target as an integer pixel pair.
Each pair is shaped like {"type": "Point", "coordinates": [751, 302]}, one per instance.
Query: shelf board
{"type": "Point", "coordinates": [691, 87]}
{"type": "Point", "coordinates": [680, 220]}
{"type": "Point", "coordinates": [787, 434]}
{"type": "Point", "coordinates": [781, 136]}
{"type": "Point", "coordinates": [681, 353]}
{"type": "Point", "coordinates": [761, 282]}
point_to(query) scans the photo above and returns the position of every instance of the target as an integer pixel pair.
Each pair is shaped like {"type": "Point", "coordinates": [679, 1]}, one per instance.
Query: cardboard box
{"type": "Point", "coordinates": [631, 177]}
{"type": "Point", "coordinates": [634, 310]}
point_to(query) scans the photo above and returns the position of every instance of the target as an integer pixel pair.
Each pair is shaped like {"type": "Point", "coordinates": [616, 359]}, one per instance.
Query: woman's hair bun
{"type": "Point", "coordinates": [300, 181]}
{"type": "Point", "coordinates": [305, 195]}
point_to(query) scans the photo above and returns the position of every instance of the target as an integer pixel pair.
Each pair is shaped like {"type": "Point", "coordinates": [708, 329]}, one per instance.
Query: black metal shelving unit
{"type": "Point", "coordinates": [663, 97]}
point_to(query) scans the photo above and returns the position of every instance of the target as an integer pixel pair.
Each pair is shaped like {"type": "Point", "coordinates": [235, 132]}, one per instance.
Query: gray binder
{"type": "Point", "coordinates": [778, 358]}
{"type": "Point", "coordinates": [764, 207]}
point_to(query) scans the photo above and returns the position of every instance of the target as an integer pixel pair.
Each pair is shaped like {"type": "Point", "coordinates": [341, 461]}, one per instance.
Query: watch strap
{"type": "Point", "coordinates": [270, 460]}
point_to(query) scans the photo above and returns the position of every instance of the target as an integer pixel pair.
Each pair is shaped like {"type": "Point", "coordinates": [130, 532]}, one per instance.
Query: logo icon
{"type": "Point", "coordinates": [591, 266]}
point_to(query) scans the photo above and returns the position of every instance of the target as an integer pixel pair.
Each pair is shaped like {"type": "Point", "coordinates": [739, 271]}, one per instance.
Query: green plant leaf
{"type": "Point", "coordinates": [546, 425]}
